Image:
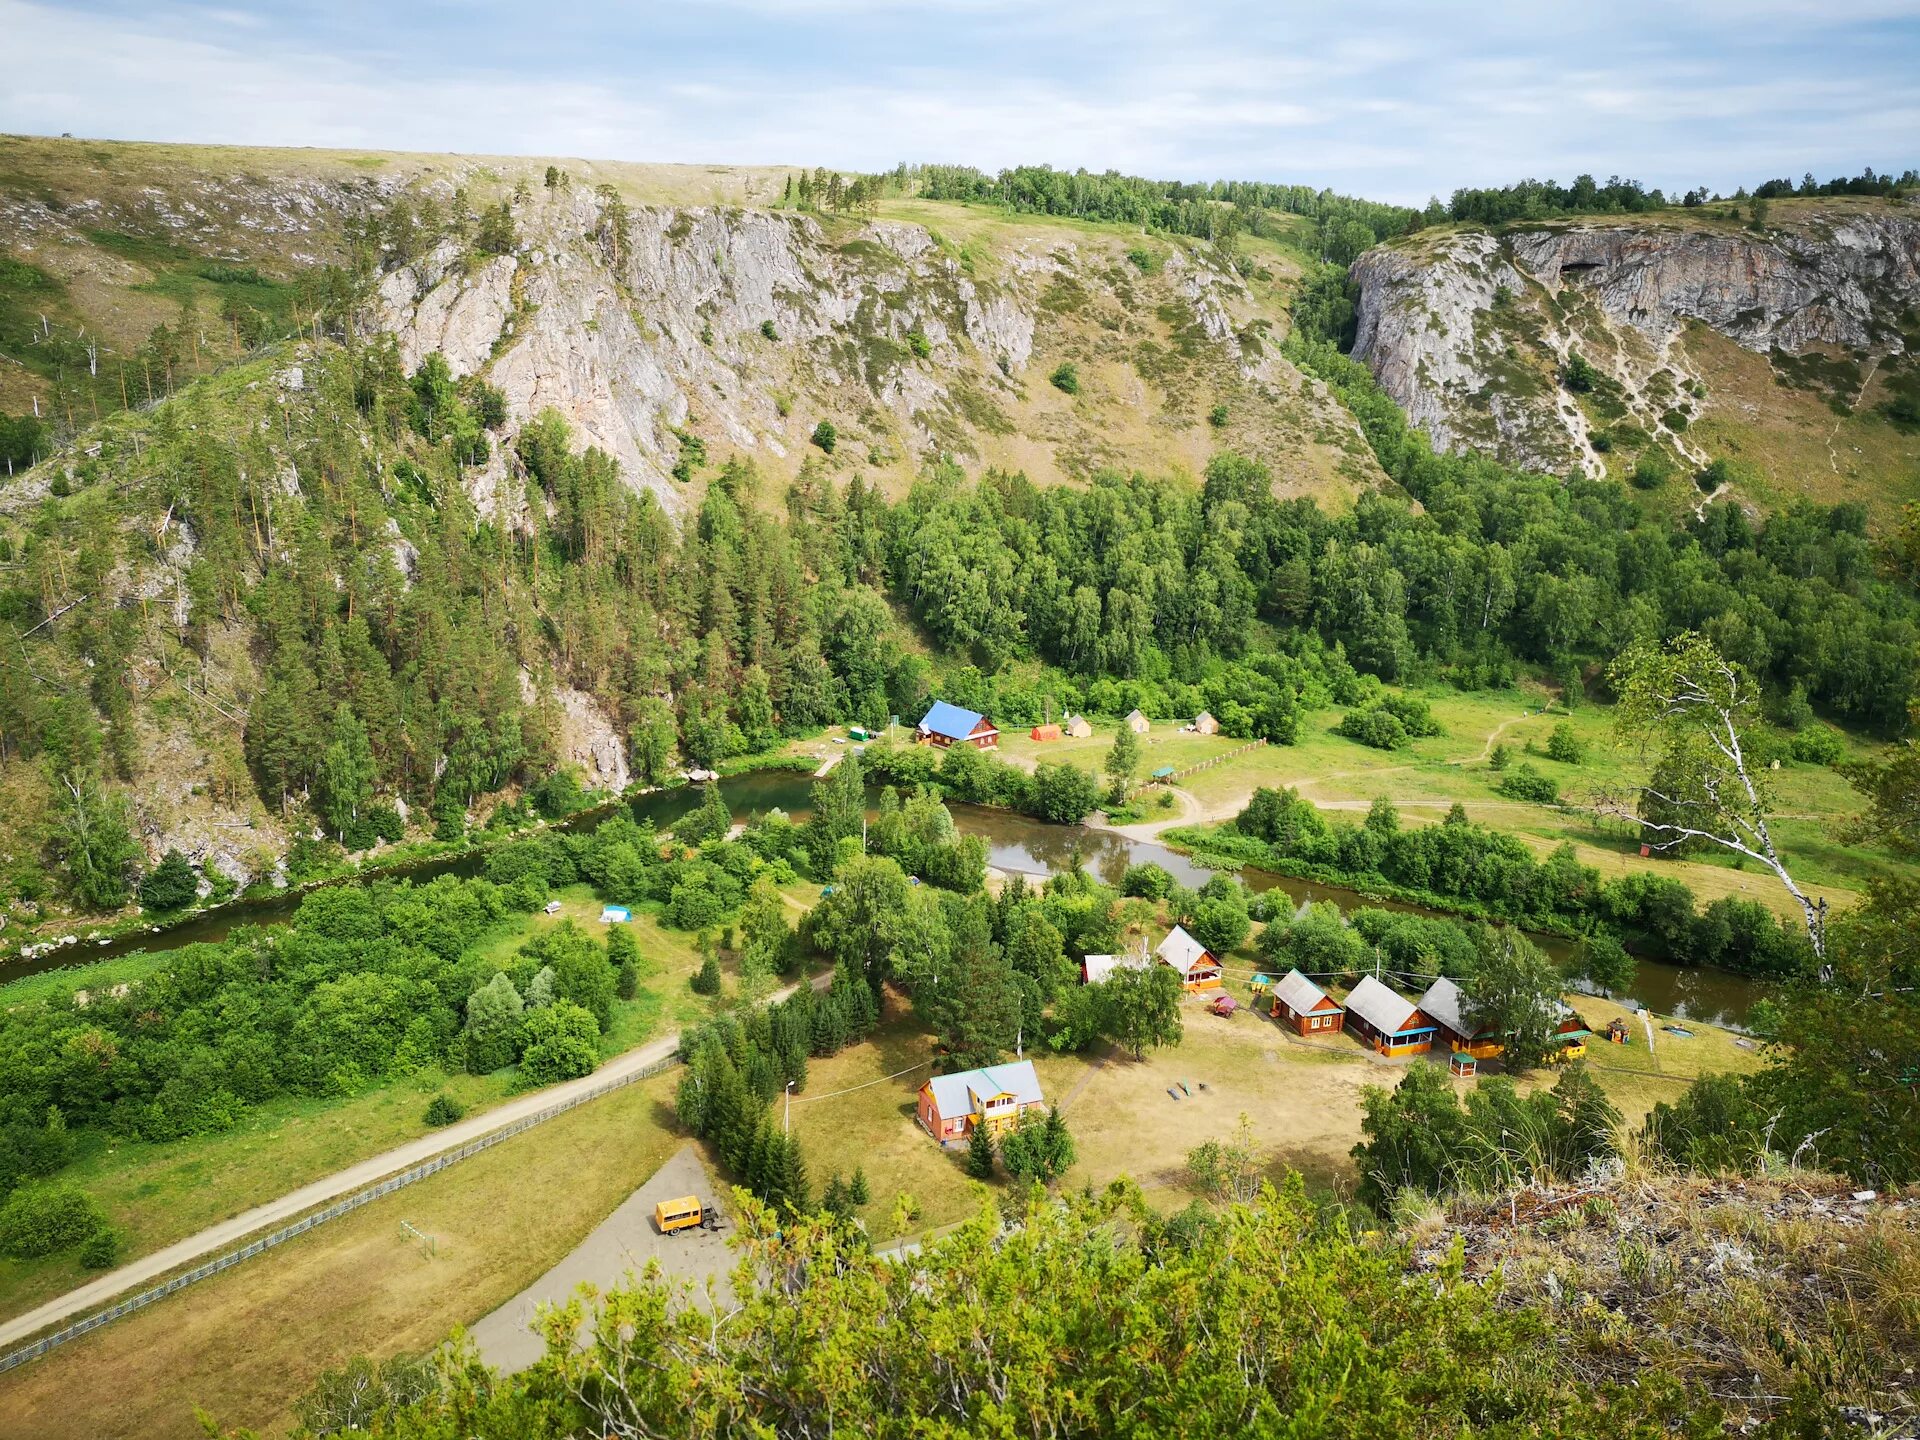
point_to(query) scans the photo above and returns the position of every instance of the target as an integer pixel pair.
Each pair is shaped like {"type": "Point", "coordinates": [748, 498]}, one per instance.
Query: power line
{"type": "Point", "coordinates": [808, 1099]}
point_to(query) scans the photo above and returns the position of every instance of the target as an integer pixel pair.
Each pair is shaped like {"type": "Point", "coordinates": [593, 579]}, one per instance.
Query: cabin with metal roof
{"type": "Point", "coordinates": [1136, 722]}
{"type": "Point", "coordinates": [1096, 968]}
{"type": "Point", "coordinates": [1445, 1003]}
{"type": "Point", "coordinates": [1387, 1021]}
{"type": "Point", "coordinates": [1305, 1006]}
{"type": "Point", "coordinates": [1078, 727]}
{"type": "Point", "coordinates": [1195, 964]}
{"type": "Point", "coordinates": [944, 725]}
{"type": "Point", "coordinates": [951, 1106]}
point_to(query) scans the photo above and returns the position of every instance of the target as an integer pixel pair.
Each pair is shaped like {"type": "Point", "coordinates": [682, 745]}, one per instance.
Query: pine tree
{"type": "Point", "coordinates": [1059, 1144]}
{"type": "Point", "coordinates": [706, 980]}
{"type": "Point", "coordinates": [795, 1193]}
{"type": "Point", "coordinates": [857, 1189]}
{"type": "Point", "coordinates": [828, 1032]}
{"type": "Point", "coordinates": [759, 1168]}
{"type": "Point", "coordinates": [835, 1201]}
{"type": "Point", "coordinates": [980, 1153]}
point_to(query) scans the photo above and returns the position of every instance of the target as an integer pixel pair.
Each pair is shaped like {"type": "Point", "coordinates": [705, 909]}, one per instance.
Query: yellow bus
{"type": "Point", "coordinates": [672, 1215]}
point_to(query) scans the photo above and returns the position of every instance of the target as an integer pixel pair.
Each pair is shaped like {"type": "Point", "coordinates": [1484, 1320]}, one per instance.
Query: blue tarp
{"type": "Point", "coordinates": [950, 720]}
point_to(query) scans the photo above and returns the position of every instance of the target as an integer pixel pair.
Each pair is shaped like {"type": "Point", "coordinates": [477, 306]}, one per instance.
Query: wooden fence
{"type": "Point", "coordinates": [332, 1212]}
{"type": "Point", "coordinates": [1222, 759]}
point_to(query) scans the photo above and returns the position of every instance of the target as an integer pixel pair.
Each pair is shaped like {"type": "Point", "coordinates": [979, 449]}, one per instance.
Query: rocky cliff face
{"type": "Point", "coordinates": [747, 327]}
{"type": "Point", "coordinates": [1473, 333]}
{"type": "Point", "coordinates": [711, 315]}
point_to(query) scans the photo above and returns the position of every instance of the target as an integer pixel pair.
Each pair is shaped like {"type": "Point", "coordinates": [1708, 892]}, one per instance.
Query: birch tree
{"type": "Point", "coordinates": [1694, 707]}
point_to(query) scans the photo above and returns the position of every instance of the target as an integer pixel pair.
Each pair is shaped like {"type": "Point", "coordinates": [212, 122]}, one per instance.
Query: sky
{"type": "Point", "coordinates": [1392, 99]}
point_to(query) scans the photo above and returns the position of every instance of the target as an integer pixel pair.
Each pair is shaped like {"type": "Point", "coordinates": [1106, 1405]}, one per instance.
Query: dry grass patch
{"type": "Point", "coordinates": [244, 1343]}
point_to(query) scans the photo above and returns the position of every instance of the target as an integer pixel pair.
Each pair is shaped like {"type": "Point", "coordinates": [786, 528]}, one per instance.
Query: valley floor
{"type": "Point", "coordinates": [241, 1344]}
{"type": "Point", "coordinates": [1432, 774]}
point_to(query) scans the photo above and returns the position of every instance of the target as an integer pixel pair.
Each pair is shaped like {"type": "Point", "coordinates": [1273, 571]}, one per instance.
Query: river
{"type": "Point", "coordinates": [1016, 844]}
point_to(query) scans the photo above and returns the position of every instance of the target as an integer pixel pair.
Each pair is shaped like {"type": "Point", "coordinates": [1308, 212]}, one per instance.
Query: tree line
{"type": "Point", "coordinates": [1461, 865]}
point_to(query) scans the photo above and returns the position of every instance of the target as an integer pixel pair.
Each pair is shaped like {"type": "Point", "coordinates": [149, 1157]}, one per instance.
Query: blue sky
{"type": "Point", "coordinates": [1388, 98]}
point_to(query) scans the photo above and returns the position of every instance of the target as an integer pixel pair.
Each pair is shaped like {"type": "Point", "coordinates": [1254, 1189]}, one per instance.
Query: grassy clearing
{"type": "Point", "coordinates": [243, 1344]}
{"type": "Point", "coordinates": [1790, 441]}
{"type": "Point", "coordinates": [1303, 1097]}
{"type": "Point", "coordinates": [1432, 774]}
{"type": "Point", "coordinates": [159, 1193]}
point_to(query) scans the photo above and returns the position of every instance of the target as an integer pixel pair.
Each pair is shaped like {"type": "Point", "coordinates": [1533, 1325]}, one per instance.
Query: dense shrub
{"type": "Point", "coordinates": [1523, 782]}
{"type": "Point", "coordinates": [45, 1219]}
{"type": "Point", "coordinates": [1379, 728]}
{"type": "Point", "coordinates": [563, 1043]}
{"type": "Point", "coordinates": [444, 1110]}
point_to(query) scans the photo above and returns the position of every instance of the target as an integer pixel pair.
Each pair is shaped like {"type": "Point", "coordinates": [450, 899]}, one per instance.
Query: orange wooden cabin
{"type": "Point", "coordinates": [1389, 1022]}
{"type": "Point", "coordinates": [951, 1106]}
{"type": "Point", "coordinates": [1045, 732]}
{"type": "Point", "coordinates": [1306, 1007]}
{"type": "Point", "coordinates": [1195, 963]}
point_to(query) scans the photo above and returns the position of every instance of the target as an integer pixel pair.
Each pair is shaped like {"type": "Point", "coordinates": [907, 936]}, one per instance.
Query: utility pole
{"type": "Point", "coordinates": [789, 1107]}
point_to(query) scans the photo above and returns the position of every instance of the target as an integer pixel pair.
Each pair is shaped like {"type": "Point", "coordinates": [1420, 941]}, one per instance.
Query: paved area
{"type": "Point", "coordinates": [626, 1240]}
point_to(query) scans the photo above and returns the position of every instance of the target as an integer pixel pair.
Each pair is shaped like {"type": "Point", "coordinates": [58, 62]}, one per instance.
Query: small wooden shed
{"type": "Point", "coordinates": [1136, 722]}
{"type": "Point", "coordinates": [1205, 724]}
{"type": "Point", "coordinates": [1078, 727]}
{"type": "Point", "coordinates": [1096, 968]}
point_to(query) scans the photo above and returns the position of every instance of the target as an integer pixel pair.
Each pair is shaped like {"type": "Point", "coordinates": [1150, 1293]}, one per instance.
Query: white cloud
{"type": "Point", "coordinates": [1397, 99]}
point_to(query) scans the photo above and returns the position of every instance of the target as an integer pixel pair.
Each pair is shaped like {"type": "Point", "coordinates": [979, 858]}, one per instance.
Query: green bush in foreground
{"type": "Point", "coordinates": [1091, 1316]}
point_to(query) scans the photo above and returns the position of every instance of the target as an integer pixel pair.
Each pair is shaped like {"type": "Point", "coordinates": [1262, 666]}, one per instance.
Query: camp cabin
{"type": "Point", "coordinates": [1078, 727]}
{"type": "Point", "coordinates": [1445, 1003]}
{"type": "Point", "coordinates": [1136, 722]}
{"type": "Point", "coordinates": [1390, 1023]}
{"type": "Point", "coordinates": [1096, 968]}
{"type": "Point", "coordinates": [951, 1106]}
{"type": "Point", "coordinates": [1306, 1007]}
{"type": "Point", "coordinates": [1205, 724]}
{"type": "Point", "coordinates": [945, 725]}
{"type": "Point", "coordinates": [1044, 733]}
{"type": "Point", "coordinates": [1191, 960]}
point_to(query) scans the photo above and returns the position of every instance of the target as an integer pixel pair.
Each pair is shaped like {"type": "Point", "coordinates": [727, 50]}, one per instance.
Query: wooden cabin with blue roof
{"type": "Point", "coordinates": [945, 725]}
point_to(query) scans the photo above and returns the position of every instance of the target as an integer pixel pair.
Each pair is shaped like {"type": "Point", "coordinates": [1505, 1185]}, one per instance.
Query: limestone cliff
{"type": "Point", "coordinates": [1475, 333]}
{"type": "Point", "coordinates": [745, 328]}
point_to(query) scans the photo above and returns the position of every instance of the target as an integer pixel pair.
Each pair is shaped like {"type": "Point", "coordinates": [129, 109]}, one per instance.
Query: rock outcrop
{"type": "Point", "coordinates": [1470, 331]}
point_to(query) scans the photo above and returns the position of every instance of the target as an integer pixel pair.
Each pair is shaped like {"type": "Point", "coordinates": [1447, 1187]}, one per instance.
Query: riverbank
{"type": "Point", "coordinates": [417, 861]}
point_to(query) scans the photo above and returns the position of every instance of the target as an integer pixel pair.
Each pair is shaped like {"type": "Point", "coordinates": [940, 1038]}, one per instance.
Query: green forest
{"type": "Point", "coordinates": [391, 675]}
